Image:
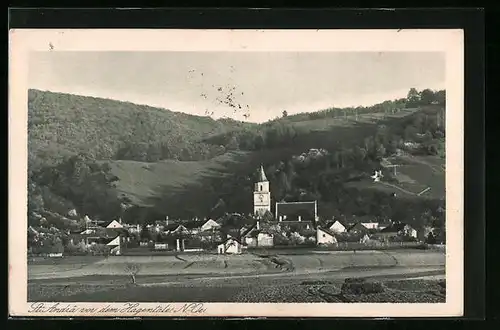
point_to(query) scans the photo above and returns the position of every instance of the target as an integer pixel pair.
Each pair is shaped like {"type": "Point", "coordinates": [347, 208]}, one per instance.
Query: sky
{"type": "Point", "coordinates": [263, 84]}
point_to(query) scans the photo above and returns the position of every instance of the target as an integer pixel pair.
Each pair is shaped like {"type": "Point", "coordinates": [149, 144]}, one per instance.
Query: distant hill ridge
{"type": "Point", "coordinates": [62, 124]}
{"type": "Point", "coordinates": [181, 165]}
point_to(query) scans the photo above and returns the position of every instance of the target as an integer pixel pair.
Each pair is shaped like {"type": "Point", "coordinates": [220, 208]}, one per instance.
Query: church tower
{"type": "Point", "coordinates": [261, 195]}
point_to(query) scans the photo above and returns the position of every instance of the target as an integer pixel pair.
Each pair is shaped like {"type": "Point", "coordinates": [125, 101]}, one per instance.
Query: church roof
{"type": "Point", "coordinates": [262, 175]}
{"type": "Point", "coordinates": [293, 209]}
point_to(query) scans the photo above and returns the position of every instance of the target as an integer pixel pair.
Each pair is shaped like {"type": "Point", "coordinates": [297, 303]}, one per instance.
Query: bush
{"type": "Point", "coordinates": [361, 287]}
{"type": "Point", "coordinates": [355, 280]}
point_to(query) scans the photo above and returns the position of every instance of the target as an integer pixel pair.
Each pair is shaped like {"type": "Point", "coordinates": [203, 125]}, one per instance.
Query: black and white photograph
{"type": "Point", "coordinates": [176, 178]}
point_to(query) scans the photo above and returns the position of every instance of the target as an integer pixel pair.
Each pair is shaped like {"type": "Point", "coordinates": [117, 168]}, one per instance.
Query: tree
{"type": "Point", "coordinates": [132, 269]}
{"type": "Point", "coordinates": [413, 98]}
{"type": "Point", "coordinates": [268, 217]}
{"type": "Point", "coordinates": [285, 113]}
{"type": "Point", "coordinates": [145, 233]}
{"type": "Point", "coordinates": [440, 97]}
{"type": "Point", "coordinates": [380, 151]}
{"type": "Point", "coordinates": [427, 97]}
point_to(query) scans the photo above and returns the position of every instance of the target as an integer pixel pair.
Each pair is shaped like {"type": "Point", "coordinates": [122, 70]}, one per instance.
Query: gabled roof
{"type": "Point", "coordinates": [357, 226]}
{"type": "Point", "coordinates": [293, 209]}
{"type": "Point", "coordinates": [393, 228]}
{"type": "Point", "coordinates": [230, 238]}
{"type": "Point", "coordinates": [174, 226]}
{"type": "Point", "coordinates": [331, 223]}
{"type": "Point", "coordinates": [210, 220]}
{"type": "Point", "coordinates": [114, 222]}
{"type": "Point", "coordinates": [111, 232]}
{"type": "Point", "coordinates": [114, 241]}
{"type": "Point", "coordinates": [192, 224]}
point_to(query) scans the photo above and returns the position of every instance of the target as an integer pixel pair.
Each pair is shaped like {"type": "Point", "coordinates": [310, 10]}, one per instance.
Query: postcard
{"type": "Point", "coordinates": [236, 173]}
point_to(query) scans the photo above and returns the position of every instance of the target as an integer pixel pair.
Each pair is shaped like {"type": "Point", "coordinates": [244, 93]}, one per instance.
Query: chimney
{"type": "Point", "coordinates": [138, 227]}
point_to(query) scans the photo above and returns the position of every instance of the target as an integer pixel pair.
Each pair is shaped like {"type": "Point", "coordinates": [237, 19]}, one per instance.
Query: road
{"type": "Point", "coordinates": [215, 267]}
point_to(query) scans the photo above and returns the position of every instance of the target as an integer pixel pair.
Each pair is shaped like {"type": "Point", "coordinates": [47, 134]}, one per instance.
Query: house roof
{"type": "Point", "coordinates": [231, 238]}
{"type": "Point", "coordinates": [293, 209]}
{"type": "Point", "coordinates": [331, 223]}
{"type": "Point", "coordinates": [357, 226]}
{"type": "Point", "coordinates": [108, 241]}
{"type": "Point", "coordinates": [395, 227]}
{"type": "Point", "coordinates": [209, 221]}
{"type": "Point", "coordinates": [110, 222]}
{"type": "Point", "coordinates": [174, 226]}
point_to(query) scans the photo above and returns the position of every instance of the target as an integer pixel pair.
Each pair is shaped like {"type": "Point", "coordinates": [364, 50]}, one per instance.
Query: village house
{"type": "Point", "coordinates": [325, 236]}
{"type": "Point", "coordinates": [287, 212]}
{"type": "Point", "coordinates": [115, 246]}
{"type": "Point", "coordinates": [370, 225]}
{"type": "Point", "coordinates": [357, 229]}
{"type": "Point", "coordinates": [336, 226]}
{"type": "Point", "coordinates": [114, 224]}
{"type": "Point", "coordinates": [410, 231]}
{"type": "Point", "coordinates": [383, 225]}
{"type": "Point", "coordinates": [160, 246]}
{"type": "Point", "coordinates": [257, 236]}
{"type": "Point", "coordinates": [176, 228]}
{"type": "Point", "coordinates": [192, 227]}
{"type": "Point", "coordinates": [395, 230]}
{"type": "Point", "coordinates": [230, 245]}
{"type": "Point", "coordinates": [132, 229]}
{"type": "Point", "coordinates": [210, 225]}
{"type": "Point", "coordinates": [254, 235]}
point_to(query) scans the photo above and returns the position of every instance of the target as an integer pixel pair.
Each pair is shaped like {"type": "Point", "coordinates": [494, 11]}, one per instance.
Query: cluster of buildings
{"type": "Point", "coordinates": [292, 223]}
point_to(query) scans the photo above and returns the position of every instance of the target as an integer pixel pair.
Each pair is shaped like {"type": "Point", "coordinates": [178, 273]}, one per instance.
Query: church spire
{"type": "Point", "coordinates": [262, 174]}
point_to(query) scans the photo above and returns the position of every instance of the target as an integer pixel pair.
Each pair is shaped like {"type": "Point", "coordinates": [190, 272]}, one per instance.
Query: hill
{"type": "Point", "coordinates": [93, 154]}
{"type": "Point", "coordinates": [61, 125]}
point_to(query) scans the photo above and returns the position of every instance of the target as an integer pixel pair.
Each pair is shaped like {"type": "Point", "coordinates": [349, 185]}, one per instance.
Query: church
{"type": "Point", "coordinates": [304, 214]}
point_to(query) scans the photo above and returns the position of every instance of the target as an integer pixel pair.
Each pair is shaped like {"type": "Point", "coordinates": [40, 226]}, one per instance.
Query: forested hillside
{"type": "Point", "coordinates": [61, 125]}
{"type": "Point", "coordinates": [107, 159]}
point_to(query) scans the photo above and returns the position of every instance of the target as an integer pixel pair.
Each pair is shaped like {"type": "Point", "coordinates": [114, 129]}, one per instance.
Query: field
{"type": "Point", "coordinates": [281, 276]}
{"type": "Point", "coordinates": [414, 175]}
{"type": "Point", "coordinates": [145, 182]}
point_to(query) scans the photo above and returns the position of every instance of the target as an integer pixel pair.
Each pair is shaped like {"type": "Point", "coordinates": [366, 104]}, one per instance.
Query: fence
{"type": "Point", "coordinates": [347, 246]}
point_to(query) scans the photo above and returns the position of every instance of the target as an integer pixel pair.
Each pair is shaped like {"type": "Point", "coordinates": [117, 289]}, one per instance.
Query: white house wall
{"type": "Point", "coordinates": [338, 227]}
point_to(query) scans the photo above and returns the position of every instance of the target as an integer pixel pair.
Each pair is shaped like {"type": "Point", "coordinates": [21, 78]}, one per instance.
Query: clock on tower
{"type": "Point", "coordinates": [262, 195]}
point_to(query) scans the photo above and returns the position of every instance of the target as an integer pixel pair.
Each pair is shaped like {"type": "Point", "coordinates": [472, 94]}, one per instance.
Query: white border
{"type": "Point", "coordinates": [21, 42]}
